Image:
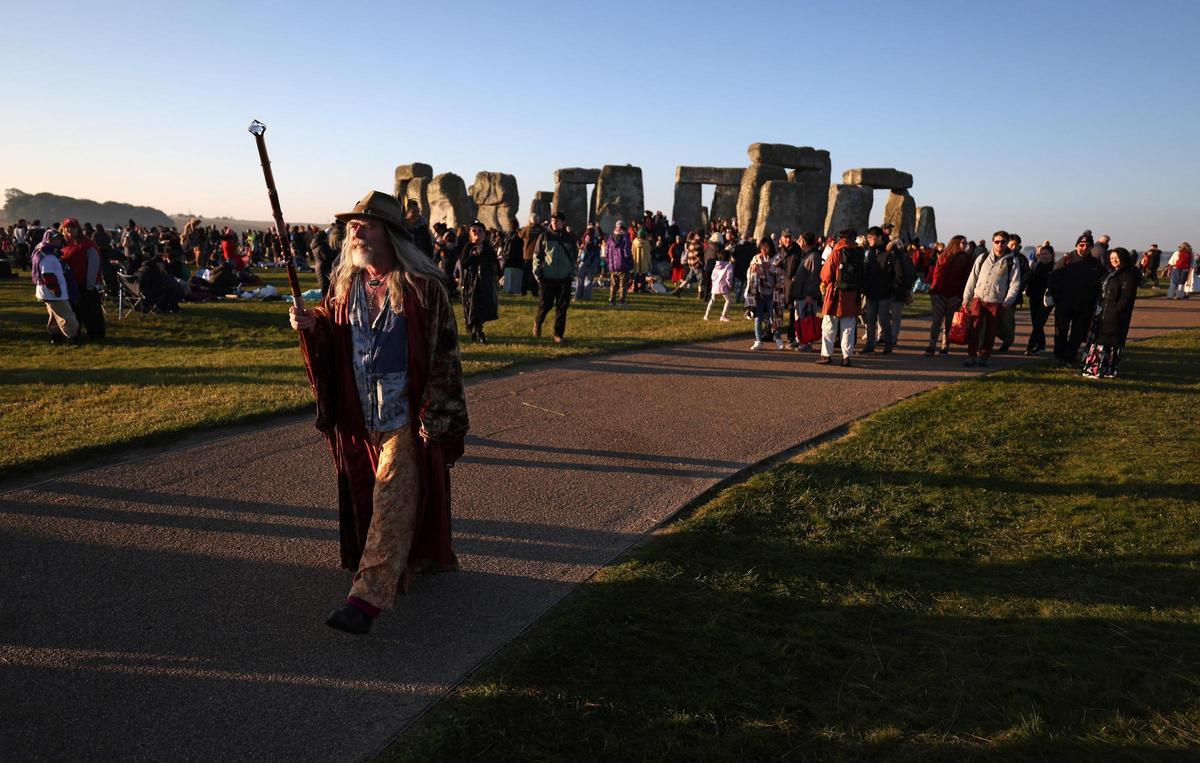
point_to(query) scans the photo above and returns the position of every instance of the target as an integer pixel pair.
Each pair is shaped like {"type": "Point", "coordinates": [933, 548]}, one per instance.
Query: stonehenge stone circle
{"type": "Point", "coordinates": [571, 196]}
{"type": "Point", "coordinates": [849, 207]}
{"type": "Point", "coordinates": [779, 206]}
{"type": "Point", "coordinates": [496, 199]}
{"type": "Point", "coordinates": [901, 212]}
{"type": "Point", "coordinates": [876, 177]}
{"type": "Point", "coordinates": [405, 173]}
{"type": "Point", "coordinates": [449, 201]}
{"type": "Point", "coordinates": [753, 179]}
{"type": "Point", "coordinates": [543, 205]}
{"type": "Point", "coordinates": [926, 226]}
{"type": "Point", "coordinates": [618, 196]}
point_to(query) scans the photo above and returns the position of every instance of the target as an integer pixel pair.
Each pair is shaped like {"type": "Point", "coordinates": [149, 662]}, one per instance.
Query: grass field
{"type": "Point", "coordinates": [237, 361]}
{"type": "Point", "coordinates": [1005, 567]}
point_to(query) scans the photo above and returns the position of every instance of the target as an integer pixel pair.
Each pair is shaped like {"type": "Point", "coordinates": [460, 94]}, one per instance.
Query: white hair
{"type": "Point", "coordinates": [411, 263]}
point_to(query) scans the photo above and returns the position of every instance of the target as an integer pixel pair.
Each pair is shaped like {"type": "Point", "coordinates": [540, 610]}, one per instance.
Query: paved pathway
{"type": "Point", "coordinates": [173, 606]}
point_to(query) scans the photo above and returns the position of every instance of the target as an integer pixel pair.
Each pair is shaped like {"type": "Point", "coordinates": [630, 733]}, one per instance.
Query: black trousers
{"type": "Point", "coordinates": [528, 282]}
{"type": "Point", "coordinates": [706, 283]}
{"type": "Point", "coordinates": [1070, 329]}
{"type": "Point", "coordinates": [91, 314]}
{"type": "Point", "coordinates": [1038, 315]}
{"type": "Point", "coordinates": [556, 293]}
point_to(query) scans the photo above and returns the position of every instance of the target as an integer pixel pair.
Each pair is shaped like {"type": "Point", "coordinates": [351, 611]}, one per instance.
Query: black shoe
{"type": "Point", "coordinates": [846, 362]}
{"type": "Point", "coordinates": [1003, 348]}
{"type": "Point", "coordinates": [1029, 353]}
{"type": "Point", "coordinates": [349, 620]}
{"type": "Point", "coordinates": [867, 351]}
{"type": "Point", "coordinates": [983, 361]}
{"type": "Point", "coordinates": [887, 349]}
{"type": "Point", "coordinates": [929, 352]}
{"type": "Point", "coordinates": [822, 361]}
{"type": "Point", "coordinates": [970, 363]}
{"type": "Point", "coordinates": [944, 351]}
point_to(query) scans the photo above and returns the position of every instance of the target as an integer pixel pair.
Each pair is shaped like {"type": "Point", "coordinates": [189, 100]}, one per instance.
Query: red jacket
{"type": "Point", "coordinates": [838, 302]}
{"type": "Point", "coordinates": [950, 274]}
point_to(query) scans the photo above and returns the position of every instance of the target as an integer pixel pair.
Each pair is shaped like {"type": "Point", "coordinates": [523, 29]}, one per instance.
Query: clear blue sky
{"type": "Point", "coordinates": [1044, 118]}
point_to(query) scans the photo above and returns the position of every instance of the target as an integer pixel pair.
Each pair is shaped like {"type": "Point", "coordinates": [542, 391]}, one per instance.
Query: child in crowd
{"type": "Point", "coordinates": [722, 283]}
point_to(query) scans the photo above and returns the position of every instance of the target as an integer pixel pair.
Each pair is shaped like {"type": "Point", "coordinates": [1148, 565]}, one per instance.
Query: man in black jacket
{"type": "Point", "coordinates": [882, 283]}
{"type": "Point", "coordinates": [1074, 286]}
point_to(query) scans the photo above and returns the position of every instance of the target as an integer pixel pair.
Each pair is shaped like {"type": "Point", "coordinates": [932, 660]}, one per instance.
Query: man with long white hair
{"type": "Point", "coordinates": [382, 356]}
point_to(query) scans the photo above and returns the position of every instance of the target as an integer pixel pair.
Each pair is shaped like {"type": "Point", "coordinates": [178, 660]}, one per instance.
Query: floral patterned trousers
{"type": "Point", "coordinates": [393, 520]}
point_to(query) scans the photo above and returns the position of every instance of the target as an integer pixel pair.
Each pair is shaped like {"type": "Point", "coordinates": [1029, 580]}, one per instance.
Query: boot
{"type": "Point", "coordinates": [349, 619]}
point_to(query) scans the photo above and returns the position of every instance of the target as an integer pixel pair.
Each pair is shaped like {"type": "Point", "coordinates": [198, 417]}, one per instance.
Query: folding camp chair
{"type": "Point", "coordinates": [130, 297]}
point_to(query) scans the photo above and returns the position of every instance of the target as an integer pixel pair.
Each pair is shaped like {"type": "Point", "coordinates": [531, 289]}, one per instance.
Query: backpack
{"type": "Point", "coordinates": [851, 275]}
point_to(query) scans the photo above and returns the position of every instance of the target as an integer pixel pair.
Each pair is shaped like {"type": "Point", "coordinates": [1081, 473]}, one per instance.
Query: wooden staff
{"type": "Point", "coordinates": [258, 130]}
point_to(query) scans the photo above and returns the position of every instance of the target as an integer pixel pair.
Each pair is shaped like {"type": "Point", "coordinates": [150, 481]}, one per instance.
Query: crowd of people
{"type": "Point", "coordinates": [808, 292]}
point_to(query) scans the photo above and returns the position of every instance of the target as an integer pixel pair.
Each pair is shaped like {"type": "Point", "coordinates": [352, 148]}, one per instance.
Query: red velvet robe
{"type": "Point", "coordinates": [438, 405]}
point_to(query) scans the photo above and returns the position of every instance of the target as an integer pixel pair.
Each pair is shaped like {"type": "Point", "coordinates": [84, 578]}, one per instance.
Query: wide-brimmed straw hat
{"type": "Point", "coordinates": [381, 206]}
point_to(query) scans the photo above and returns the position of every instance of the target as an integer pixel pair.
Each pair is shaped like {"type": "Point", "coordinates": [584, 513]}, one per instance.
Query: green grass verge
{"type": "Point", "coordinates": [1003, 567]}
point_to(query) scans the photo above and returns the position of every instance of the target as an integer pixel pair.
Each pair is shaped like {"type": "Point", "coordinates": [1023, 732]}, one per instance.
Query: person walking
{"type": "Point", "coordinates": [1180, 266]}
{"type": "Point", "coordinates": [640, 252]}
{"type": "Point", "coordinates": [513, 261]}
{"type": "Point", "coordinates": [882, 282]}
{"type": "Point", "coordinates": [842, 278]}
{"type": "Point", "coordinates": [722, 284]}
{"type": "Point", "coordinates": [382, 355]}
{"type": "Point", "coordinates": [761, 281]}
{"type": "Point", "coordinates": [803, 276]}
{"type": "Point", "coordinates": [902, 296]}
{"type": "Point", "coordinates": [589, 262]}
{"type": "Point", "coordinates": [1118, 292]}
{"type": "Point", "coordinates": [694, 259]}
{"type": "Point", "coordinates": [618, 250]}
{"type": "Point", "coordinates": [1007, 332]}
{"type": "Point", "coordinates": [1151, 262]}
{"type": "Point", "coordinates": [950, 274]}
{"type": "Point", "coordinates": [480, 300]}
{"type": "Point", "coordinates": [554, 268]}
{"type": "Point", "coordinates": [1035, 290]}
{"type": "Point", "coordinates": [530, 236]}
{"type": "Point", "coordinates": [994, 284]}
{"type": "Point", "coordinates": [1073, 288]}
{"type": "Point", "coordinates": [54, 285]}
{"type": "Point", "coordinates": [83, 258]}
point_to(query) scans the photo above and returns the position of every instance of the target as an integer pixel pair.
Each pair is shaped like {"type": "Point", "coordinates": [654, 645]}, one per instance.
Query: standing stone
{"type": "Point", "coordinates": [543, 205]}
{"type": "Point", "coordinates": [405, 173]}
{"type": "Point", "coordinates": [816, 193]}
{"type": "Point", "coordinates": [592, 206]}
{"type": "Point", "coordinates": [495, 195]}
{"type": "Point", "coordinates": [878, 177]}
{"type": "Point", "coordinates": [418, 189]}
{"type": "Point", "coordinates": [571, 199]}
{"type": "Point", "coordinates": [618, 195]}
{"type": "Point", "coordinates": [779, 206]}
{"type": "Point", "coordinates": [926, 227]}
{"type": "Point", "coordinates": [901, 212]}
{"type": "Point", "coordinates": [752, 182]}
{"type": "Point", "coordinates": [686, 209]}
{"type": "Point", "coordinates": [449, 201]}
{"type": "Point", "coordinates": [724, 202]}
{"type": "Point", "coordinates": [849, 207]}
{"type": "Point", "coordinates": [703, 218]}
